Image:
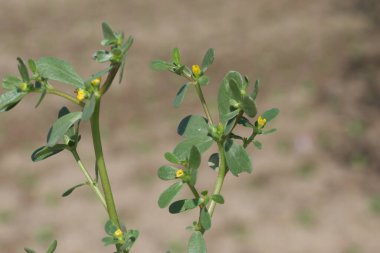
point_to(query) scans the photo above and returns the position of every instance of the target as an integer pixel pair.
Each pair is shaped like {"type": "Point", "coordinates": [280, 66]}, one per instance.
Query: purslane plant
{"type": "Point", "coordinates": [36, 77]}
{"type": "Point", "coordinates": [236, 106]}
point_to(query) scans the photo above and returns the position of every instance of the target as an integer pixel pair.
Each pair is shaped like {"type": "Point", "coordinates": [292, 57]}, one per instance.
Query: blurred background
{"type": "Point", "coordinates": [315, 186]}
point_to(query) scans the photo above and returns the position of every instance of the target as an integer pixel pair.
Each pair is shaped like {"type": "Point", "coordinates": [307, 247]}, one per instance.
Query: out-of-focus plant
{"type": "Point", "coordinates": [237, 108]}
{"type": "Point", "coordinates": [64, 134]}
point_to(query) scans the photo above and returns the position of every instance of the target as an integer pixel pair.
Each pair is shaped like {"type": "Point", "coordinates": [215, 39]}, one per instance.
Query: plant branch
{"type": "Point", "coordinates": [111, 76]}
{"type": "Point", "coordinates": [220, 178]}
{"type": "Point", "coordinates": [60, 94]}
{"type": "Point", "coordinates": [93, 185]}
{"type": "Point", "coordinates": [203, 102]}
{"type": "Point", "coordinates": [111, 208]}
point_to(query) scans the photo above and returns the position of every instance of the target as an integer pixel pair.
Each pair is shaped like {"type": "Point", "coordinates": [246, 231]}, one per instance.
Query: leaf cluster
{"type": "Point", "coordinates": [236, 107]}
{"type": "Point", "coordinates": [124, 242]}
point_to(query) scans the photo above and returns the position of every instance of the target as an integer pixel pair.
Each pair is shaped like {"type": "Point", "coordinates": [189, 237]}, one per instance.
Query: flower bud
{"type": "Point", "coordinates": [261, 122]}
{"type": "Point", "coordinates": [196, 71]}
{"type": "Point", "coordinates": [118, 233]}
{"type": "Point", "coordinates": [179, 173]}
{"type": "Point", "coordinates": [23, 87]}
{"type": "Point", "coordinates": [96, 82]}
{"type": "Point", "coordinates": [81, 94]}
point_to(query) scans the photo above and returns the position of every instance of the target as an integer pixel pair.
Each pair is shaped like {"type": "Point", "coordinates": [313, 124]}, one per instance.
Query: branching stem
{"type": "Point", "coordinates": [93, 185]}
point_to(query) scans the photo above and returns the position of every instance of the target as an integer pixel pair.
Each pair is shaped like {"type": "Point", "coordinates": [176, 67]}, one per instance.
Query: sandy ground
{"type": "Point", "coordinates": [315, 186]}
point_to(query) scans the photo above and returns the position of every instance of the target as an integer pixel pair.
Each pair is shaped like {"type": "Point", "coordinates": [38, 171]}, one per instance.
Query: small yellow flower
{"type": "Point", "coordinates": [96, 81]}
{"type": "Point", "coordinates": [196, 70]}
{"type": "Point", "coordinates": [179, 173]}
{"type": "Point", "coordinates": [81, 94]}
{"type": "Point", "coordinates": [261, 122]}
{"type": "Point", "coordinates": [23, 86]}
{"type": "Point", "coordinates": [118, 233]}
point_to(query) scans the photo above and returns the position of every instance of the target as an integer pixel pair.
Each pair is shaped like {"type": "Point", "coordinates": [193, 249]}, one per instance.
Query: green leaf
{"type": "Point", "coordinates": [182, 150]}
{"type": "Point", "coordinates": [237, 158]}
{"type": "Point", "coordinates": [229, 125]}
{"type": "Point", "coordinates": [59, 70]}
{"type": "Point", "coordinates": [256, 89]}
{"type": "Point", "coordinates": [71, 189]}
{"type": "Point", "coordinates": [178, 70]}
{"type": "Point", "coordinates": [194, 163]}
{"type": "Point", "coordinates": [196, 243]}
{"type": "Point", "coordinates": [160, 65]}
{"type": "Point", "coordinates": [52, 247]}
{"type": "Point", "coordinates": [45, 152]}
{"type": "Point", "coordinates": [110, 227]}
{"type": "Point", "coordinates": [235, 90]}
{"type": "Point", "coordinates": [32, 66]}
{"type": "Point", "coordinates": [208, 59]}
{"type": "Point", "coordinates": [167, 172]}
{"type": "Point", "coordinates": [176, 56]}
{"type": "Point", "coordinates": [116, 51]}
{"type": "Point", "coordinates": [61, 126]}
{"type": "Point", "coordinates": [270, 114]}
{"type": "Point", "coordinates": [245, 122]}
{"type": "Point", "coordinates": [229, 116]}
{"type": "Point", "coordinates": [127, 45]}
{"type": "Point", "coordinates": [270, 131]}
{"type": "Point", "coordinates": [183, 205]}
{"type": "Point", "coordinates": [89, 107]}
{"type": "Point", "coordinates": [23, 70]}
{"type": "Point", "coordinates": [108, 34]}
{"type": "Point", "coordinates": [132, 236]}
{"type": "Point", "coordinates": [102, 56]}
{"type": "Point", "coordinates": [203, 80]}
{"type": "Point", "coordinates": [42, 96]}
{"type": "Point", "coordinates": [194, 158]}
{"type": "Point", "coordinates": [167, 196]}
{"type": "Point", "coordinates": [217, 198]}
{"type": "Point", "coordinates": [122, 68]}
{"type": "Point", "coordinates": [170, 157]}
{"type": "Point", "coordinates": [11, 82]}
{"type": "Point", "coordinates": [180, 95]}
{"type": "Point", "coordinates": [257, 144]}
{"type": "Point", "coordinates": [98, 74]}
{"type": "Point", "coordinates": [187, 72]}
{"type": "Point", "coordinates": [192, 126]}
{"type": "Point", "coordinates": [225, 93]}
{"type": "Point", "coordinates": [205, 219]}
{"type": "Point", "coordinates": [249, 106]}
{"type": "Point", "coordinates": [27, 250]}
{"type": "Point", "coordinates": [213, 161]}
{"type": "Point", "coordinates": [63, 111]}
{"type": "Point", "coordinates": [10, 99]}
{"type": "Point", "coordinates": [109, 241]}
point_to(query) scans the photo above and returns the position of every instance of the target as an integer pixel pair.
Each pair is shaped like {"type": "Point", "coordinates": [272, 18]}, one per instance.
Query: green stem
{"type": "Point", "coordinates": [250, 139]}
{"type": "Point", "coordinates": [111, 75]}
{"type": "Point", "coordinates": [64, 95]}
{"type": "Point", "coordinates": [220, 178]}
{"type": "Point", "coordinates": [111, 208]}
{"type": "Point", "coordinates": [203, 102]}
{"type": "Point", "coordinates": [194, 191]}
{"type": "Point", "coordinates": [60, 94]}
{"type": "Point", "coordinates": [93, 185]}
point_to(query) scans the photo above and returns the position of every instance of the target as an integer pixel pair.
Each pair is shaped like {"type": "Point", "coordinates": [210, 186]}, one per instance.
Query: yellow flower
{"type": "Point", "coordinates": [179, 173]}
{"type": "Point", "coordinates": [261, 122]}
{"type": "Point", "coordinates": [23, 86]}
{"type": "Point", "coordinates": [118, 233]}
{"type": "Point", "coordinates": [96, 81]}
{"type": "Point", "coordinates": [81, 94]}
{"type": "Point", "coordinates": [196, 70]}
